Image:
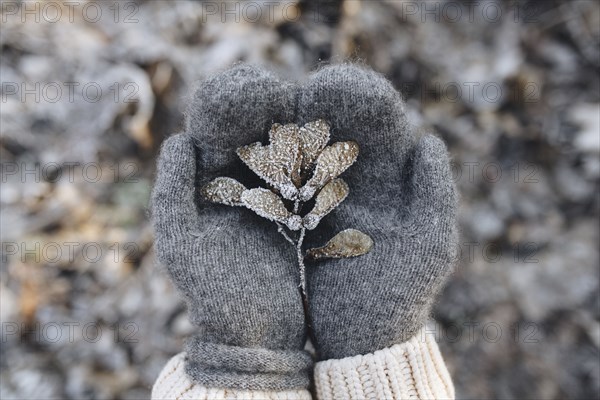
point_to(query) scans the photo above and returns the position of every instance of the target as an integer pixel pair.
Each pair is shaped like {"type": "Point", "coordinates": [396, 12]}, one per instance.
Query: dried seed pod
{"type": "Point", "coordinates": [347, 243]}
{"type": "Point", "coordinates": [268, 205]}
{"type": "Point", "coordinates": [332, 161]}
{"type": "Point", "coordinates": [313, 139]}
{"type": "Point", "coordinates": [296, 179]}
{"type": "Point", "coordinates": [284, 148]}
{"type": "Point", "coordinates": [294, 222]}
{"type": "Point", "coordinates": [327, 200]}
{"type": "Point", "coordinates": [224, 190]}
{"type": "Point", "coordinates": [258, 159]}
{"type": "Point", "coordinates": [278, 164]}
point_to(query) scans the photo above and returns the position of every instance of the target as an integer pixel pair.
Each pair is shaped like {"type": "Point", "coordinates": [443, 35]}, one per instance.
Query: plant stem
{"type": "Point", "coordinates": [298, 245]}
{"type": "Point", "coordinates": [302, 269]}
{"type": "Point", "coordinates": [301, 261]}
{"type": "Point", "coordinates": [296, 206]}
{"type": "Point", "coordinates": [281, 230]}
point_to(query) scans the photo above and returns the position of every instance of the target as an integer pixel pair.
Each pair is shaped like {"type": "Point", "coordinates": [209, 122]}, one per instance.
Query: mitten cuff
{"type": "Point", "coordinates": [174, 383]}
{"type": "Point", "coordinates": [411, 370]}
{"type": "Point", "coordinates": [218, 365]}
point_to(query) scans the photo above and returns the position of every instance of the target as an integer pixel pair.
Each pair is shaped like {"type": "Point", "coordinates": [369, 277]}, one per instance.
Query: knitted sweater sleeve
{"type": "Point", "coordinates": [410, 370]}
{"type": "Point", "coordinates": [174, 384]}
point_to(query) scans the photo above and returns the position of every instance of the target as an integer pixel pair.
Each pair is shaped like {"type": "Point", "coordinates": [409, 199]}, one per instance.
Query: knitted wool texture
{"type": "Point", "coordinates": [402, 195]}
{"type": "Point", "coordinates": [411, 370]}
{"type": "Point", "coordinates": [239, 275]}
{"type": "Point", "coordinates": [174, 384]}
{"type": "Point", "coordinates": [236, 272]}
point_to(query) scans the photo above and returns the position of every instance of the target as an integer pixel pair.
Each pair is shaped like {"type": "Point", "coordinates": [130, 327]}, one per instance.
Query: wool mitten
{"type": "Point", "coordinates": [236, 272]}
{"type": "Point", "coordinates": [369, 311]}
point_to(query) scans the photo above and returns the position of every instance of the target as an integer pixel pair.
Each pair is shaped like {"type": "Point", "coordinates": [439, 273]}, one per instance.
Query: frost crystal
{"type": "Point", "coordinates": [347, 243]}
{"type": "Point", "coordinates": [297, 164]}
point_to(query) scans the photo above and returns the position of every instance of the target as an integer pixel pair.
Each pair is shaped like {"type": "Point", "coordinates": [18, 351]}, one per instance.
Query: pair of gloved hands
{"type": "Point", "coordinates": [238, 274]}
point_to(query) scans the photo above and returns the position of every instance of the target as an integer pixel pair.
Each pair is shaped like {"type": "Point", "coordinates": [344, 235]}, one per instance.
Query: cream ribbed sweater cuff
{"type": "Point", "coordinates": [173, 383]}
{"type": "Point", "coordinates": [411, 370]}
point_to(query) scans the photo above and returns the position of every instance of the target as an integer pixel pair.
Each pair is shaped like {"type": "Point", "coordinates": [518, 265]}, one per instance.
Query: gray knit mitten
{"type": "Point", "coordinates": [401, 195]}
{"type": "Point", "coordinates": [236, 272]}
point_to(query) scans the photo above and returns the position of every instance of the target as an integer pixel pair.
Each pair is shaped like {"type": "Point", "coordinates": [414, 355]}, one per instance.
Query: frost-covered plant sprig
{"type": "Point", "coordinates": [297, 165]}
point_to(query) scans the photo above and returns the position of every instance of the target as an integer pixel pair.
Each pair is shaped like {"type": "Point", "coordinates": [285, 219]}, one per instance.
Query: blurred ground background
{"type": "Point", "coordinates": [90, 89]}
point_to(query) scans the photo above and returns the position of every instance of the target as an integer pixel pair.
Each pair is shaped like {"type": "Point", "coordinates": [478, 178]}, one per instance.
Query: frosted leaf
{"type": "Point", "coordinates": [327, 200]}
{"type": "Point", "coordinates": [296, 179]}
{"type": "Point", "coordinates": [347, 243]}
{"type": "Point", "coordinates": [313, 139]}
{"type": "Point", "coordinates": [279, 162]}
{"type": "Point", "coordinates": [268, 205]}
{"type": "Point", "coordinates": [223, 190]}
{"type": "Point", "coordinates": [332, 161]}
{"type": "Point", "coordinates": [285, 149]}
